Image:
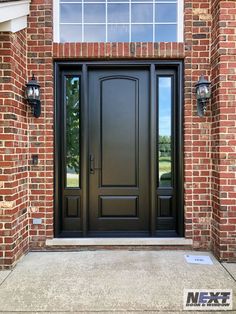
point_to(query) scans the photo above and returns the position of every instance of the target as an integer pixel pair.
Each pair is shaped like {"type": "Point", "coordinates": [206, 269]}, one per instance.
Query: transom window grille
{"type": "Point", "coordinates": [119, 21]}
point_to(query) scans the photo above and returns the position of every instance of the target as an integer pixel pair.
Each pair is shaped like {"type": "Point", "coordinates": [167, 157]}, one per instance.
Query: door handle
{"type": "Point", "coordinates": [91, 163]}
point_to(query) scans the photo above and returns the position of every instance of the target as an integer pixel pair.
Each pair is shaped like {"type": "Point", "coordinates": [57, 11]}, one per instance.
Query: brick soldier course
{"type": "Point", "coordinates": [27, 191]}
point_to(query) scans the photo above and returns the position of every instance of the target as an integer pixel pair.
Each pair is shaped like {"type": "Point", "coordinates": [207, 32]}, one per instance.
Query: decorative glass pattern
{"type": "Point", "coordinates": [118, 20]}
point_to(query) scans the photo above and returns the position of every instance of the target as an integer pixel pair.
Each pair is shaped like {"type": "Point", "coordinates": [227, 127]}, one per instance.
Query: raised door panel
{"type": "Point", "coordinates": [119, 132]}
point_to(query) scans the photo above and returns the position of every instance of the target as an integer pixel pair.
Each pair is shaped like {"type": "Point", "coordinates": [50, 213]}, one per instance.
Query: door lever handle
{"type": "Point", "coordinates": [91, 163]}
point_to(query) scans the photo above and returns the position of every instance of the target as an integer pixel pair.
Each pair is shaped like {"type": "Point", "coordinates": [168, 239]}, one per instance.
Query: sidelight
{"type": "Point", "coordinates": [164, 131]}
{"type": "Point", "coordinates": [72, 132]}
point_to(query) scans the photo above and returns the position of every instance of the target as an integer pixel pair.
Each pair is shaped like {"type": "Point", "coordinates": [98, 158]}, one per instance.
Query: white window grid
{"type": "Point", "coordinates": [179, 23]}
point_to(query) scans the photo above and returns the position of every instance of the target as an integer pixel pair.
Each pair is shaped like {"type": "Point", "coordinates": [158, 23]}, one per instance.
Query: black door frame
{"type": "Point", "coordinates": [82, 68]}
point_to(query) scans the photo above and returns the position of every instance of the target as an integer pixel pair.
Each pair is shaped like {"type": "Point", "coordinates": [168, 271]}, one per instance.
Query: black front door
{"type": "Point", "coordinates": [118, 167]}
{"type": "Point", "coordinates": [119, 152]}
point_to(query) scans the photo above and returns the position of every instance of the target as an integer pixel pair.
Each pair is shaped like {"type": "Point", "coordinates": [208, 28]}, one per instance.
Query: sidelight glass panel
{"type": "Point", "coordinates": [72, 149]}
{"type": "Point", "coordinates": [164, 132]}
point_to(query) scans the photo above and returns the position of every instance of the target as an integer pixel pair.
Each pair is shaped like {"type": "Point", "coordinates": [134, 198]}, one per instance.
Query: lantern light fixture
{"type": "Point", "coordinates": [32, 94]}
{"type": "Point", "coordinates": [203, 93]}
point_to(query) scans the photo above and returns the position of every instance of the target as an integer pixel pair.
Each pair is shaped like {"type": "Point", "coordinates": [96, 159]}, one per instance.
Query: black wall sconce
{"type": "Point", "coordinates": [32, 94]}
{"type": "Point", "coordinates": [203, 93]}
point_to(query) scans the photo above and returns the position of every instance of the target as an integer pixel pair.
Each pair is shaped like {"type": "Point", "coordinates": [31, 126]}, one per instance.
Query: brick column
{"type": "Point", "coordinates": [40, 62]}
{"type": "Point", "coordinates": [223, 62]}
{"type": "Point", "coordinates": [197, 130]}
{"type": "Point", "coordinates": [14, 240]}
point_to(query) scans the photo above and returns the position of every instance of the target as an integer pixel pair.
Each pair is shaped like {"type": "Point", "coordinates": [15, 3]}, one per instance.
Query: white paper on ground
{"type": "Point", "coordinates": [198, 259]}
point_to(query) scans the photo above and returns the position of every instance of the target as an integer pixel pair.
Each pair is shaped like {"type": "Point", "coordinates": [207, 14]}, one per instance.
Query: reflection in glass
{"type": "Point", "coordinates": [141, 13]}
{"type": "Point", "coordinates": [166, 33]}
{"type": "Point", "coordinates": [118, 33]}
{"type": "Point", "coordinates": [72, 132]}
{"type": "Point", "coordinates": [166, 12]}
{"type": "Point", "coordinates": [118, 13]}
{"type": "Point", "coordinates": [94, 13]}
{"type": "Point", "coordinates": [71, 13]}
{"type": "Point", "coordinates": [141, 33]}
{"type": "Point", "coordinates": [95, 33]}
{"type": "Point", "coordinates": [70, 33]}
{"type": "Point", "coordinates": [164, 131]}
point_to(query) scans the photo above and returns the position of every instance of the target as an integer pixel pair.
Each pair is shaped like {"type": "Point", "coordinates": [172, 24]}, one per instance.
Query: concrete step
{"type": "Point", "coordinates": [118, 243]}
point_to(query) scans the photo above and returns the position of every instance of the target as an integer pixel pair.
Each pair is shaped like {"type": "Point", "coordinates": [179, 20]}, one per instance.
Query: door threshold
{"type": "Point", "coordinates": [59, 242]}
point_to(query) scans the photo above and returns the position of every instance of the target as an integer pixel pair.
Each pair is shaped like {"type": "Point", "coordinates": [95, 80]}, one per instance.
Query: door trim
{"type": "Point", "coordinates": [83, 68]}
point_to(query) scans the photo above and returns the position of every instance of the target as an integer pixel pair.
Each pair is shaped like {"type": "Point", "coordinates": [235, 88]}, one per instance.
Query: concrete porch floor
{"type": "Point", "coordinates": [109, 282]}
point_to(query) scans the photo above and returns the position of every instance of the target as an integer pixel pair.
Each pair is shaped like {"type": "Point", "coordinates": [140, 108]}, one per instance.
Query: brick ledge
{"type": "Point", "coordinates": [143, 50]}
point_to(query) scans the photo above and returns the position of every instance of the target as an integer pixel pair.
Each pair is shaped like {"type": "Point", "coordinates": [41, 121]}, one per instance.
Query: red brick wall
{"type": "Point", "coordinates": [197, 131]}
{"type": "Point", "coordinates": [14, 205]}
{"type": "Point", "coordinates": [209, 142]}
{"type": "Point", "coordinates": [223, 62]}
{"type": "Point", "coordinates": [40, 63]}
{"type": "Point", "coordinates": [118, 50]}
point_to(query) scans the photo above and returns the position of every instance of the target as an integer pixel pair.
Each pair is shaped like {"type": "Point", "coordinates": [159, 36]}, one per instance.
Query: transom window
{"type": "Point", "coordinates": [119, 21]}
